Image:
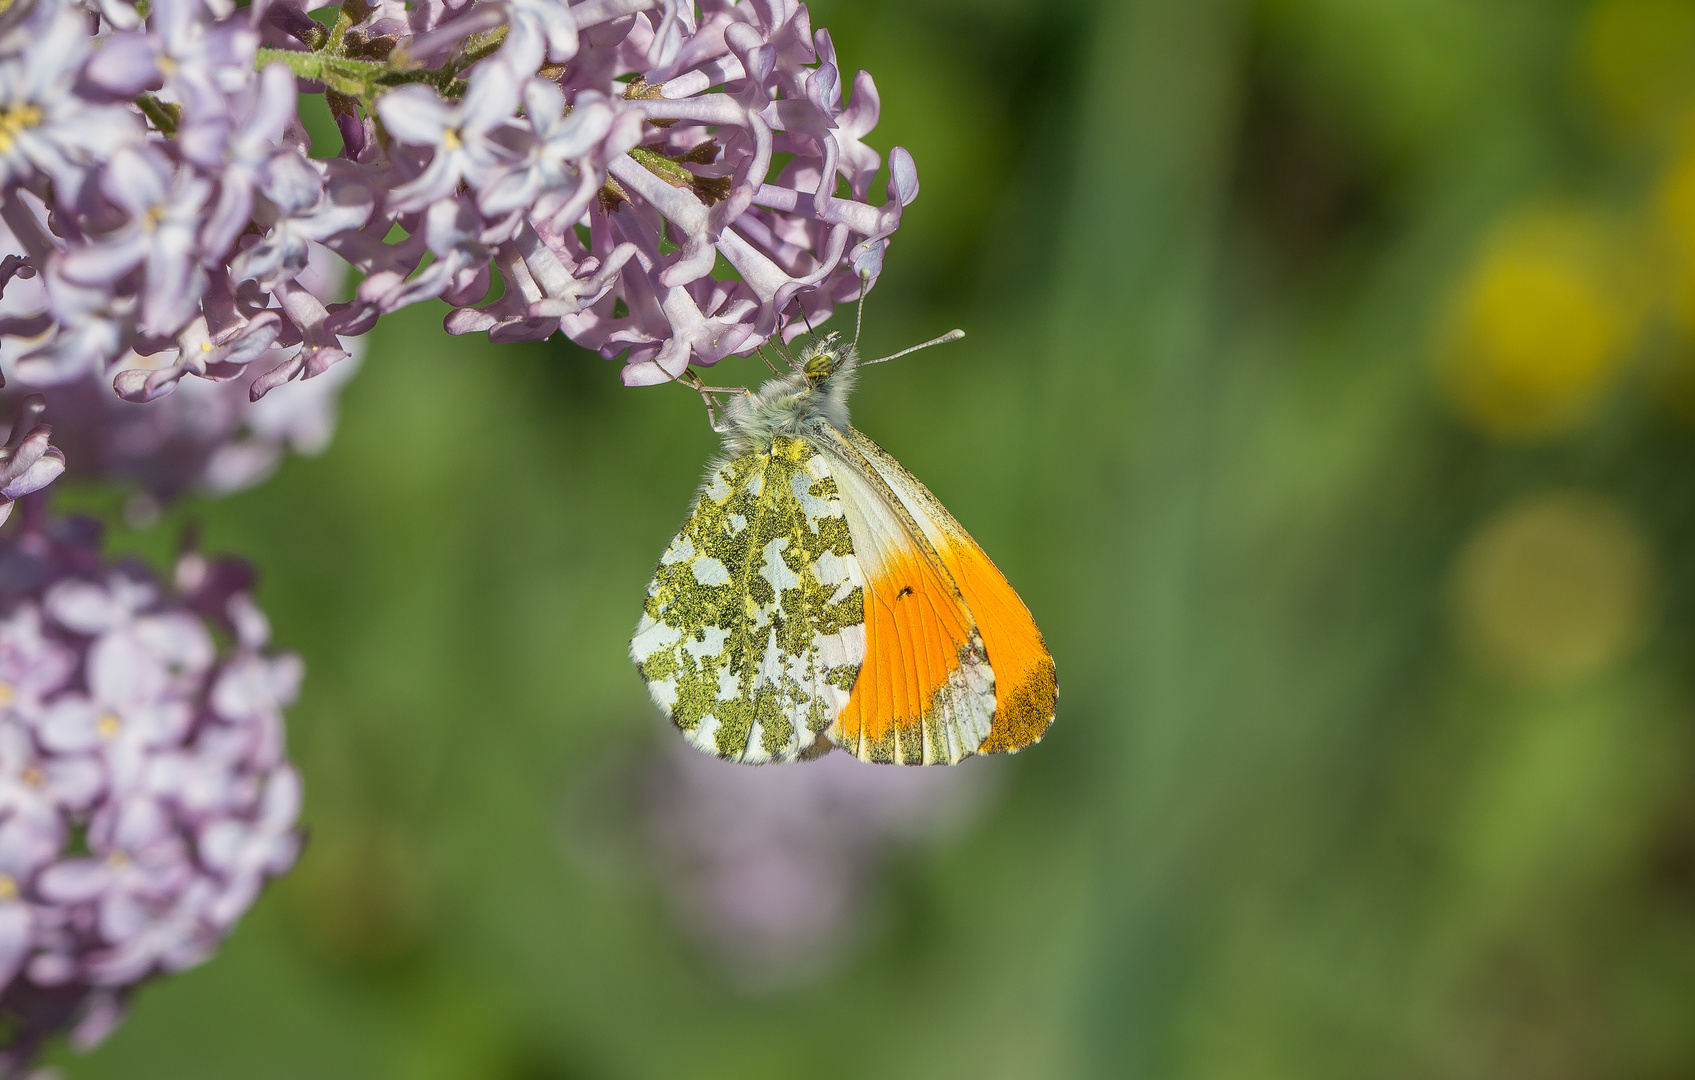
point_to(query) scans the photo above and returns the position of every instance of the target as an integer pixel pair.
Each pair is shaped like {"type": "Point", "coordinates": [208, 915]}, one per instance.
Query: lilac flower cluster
{"type": "Point", "coordinates": [206, 437]}
{"type": "Point", "coordinates": [614, 163]}
{"type": "Point", "coordinates": [145, 795]}
{"type": "Point", "coordinates": [670, 181]}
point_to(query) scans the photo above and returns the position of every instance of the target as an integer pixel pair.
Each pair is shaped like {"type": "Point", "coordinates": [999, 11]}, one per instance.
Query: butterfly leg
{"type": "Point", "coordinates": [714, 411]}
{"type": "Point", "coordinates": [761, 354]}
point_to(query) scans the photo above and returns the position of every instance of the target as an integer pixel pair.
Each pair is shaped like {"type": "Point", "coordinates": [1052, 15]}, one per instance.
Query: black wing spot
{"type": "Point", "coordinates": [905, 590]}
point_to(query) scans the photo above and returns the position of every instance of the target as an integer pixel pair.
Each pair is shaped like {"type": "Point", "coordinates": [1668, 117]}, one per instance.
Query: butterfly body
{"type": "Point", "coordinates": [818, 594]}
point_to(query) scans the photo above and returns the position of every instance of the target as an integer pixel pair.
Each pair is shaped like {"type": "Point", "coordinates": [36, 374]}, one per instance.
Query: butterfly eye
{"type": "Point", "coordinates": [821, 365]}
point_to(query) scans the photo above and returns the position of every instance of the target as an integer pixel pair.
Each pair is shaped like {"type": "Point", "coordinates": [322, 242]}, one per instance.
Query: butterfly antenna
{"type": "Point", "coordinates": [951, 335]}
{"type": "Point", "coordinates": [780, 346]}
{"type": "Point", "coordinates": [859, 314]}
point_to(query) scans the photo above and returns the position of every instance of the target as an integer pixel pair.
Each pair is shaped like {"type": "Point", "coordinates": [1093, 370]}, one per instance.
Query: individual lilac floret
{"type": "Point", "coordinates": [162, 208]}
{"type": "Point", "coordinates": [460, 140]}
{"type": "Point", "coordinates": [49, 131]}
{"type": "Point", "coordinates": [608, 170]}
{"type": "Point", "coordinates": [28, 462]}
{"type": "Point", "coordinates": [145, 795]}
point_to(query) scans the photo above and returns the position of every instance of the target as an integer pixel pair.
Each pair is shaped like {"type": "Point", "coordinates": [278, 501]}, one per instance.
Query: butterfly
{"type": "Point", "coordinates": [819, 596]}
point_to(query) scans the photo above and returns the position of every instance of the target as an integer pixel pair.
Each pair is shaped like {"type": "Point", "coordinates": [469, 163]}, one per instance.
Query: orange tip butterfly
{"type": "Point", "coordinates": [818, 595]}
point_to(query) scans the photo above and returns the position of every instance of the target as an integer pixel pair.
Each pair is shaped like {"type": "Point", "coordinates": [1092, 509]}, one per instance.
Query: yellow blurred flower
{"type": "Point", "coordinates": [1673, 375]}
{"type": "Point", "coordinates": [1539, 329]}
{"type": "Point", "coordinates": [1635, 54]}
{"type": "Point", "coordinates": [1554, 589]}
{"type": "Point", "coordinates": [1675, 217]}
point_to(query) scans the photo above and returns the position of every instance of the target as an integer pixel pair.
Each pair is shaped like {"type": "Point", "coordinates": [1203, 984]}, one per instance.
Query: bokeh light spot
{"type": "Point", "coordinates": [1635, 55]}
{"type": "Point", "coordinates": [1554, 589]}
{"type": "Point", "coordinates": [1538, 332]}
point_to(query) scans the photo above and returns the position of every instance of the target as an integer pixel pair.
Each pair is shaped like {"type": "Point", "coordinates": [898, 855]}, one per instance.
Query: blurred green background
{"type": "Point", "coordinates": [1328, 396]}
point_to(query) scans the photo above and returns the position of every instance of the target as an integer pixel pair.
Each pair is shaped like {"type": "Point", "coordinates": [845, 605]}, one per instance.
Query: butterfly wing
{"type": "Point", "coordinates": [1026, 685]}
{"type": "Point", "coordinates": [753, 633]}
{"type": "Point", "coordinates": [926, 694]}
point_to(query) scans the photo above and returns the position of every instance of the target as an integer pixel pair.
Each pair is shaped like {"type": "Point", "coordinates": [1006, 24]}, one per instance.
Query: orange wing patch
{"type": "Point", "coordinates": [920, 654]}
{"type": "Point", "coordinates": [1026, 688]}
{"type": "Point", "coordinates": [925, 693]}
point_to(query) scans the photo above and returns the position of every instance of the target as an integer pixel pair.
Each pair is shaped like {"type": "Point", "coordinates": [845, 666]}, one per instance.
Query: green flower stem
{"type": "Point", "coordinates": [663, 167]}
{"type": "Point", "coordinates": [362, 79]}
{"type": "Point", "coordinates": [443, 79]}
{"type": "Point", "coordinates": [351, 82]}
{"type": "Point", "coordinates": [480, 47]}
{"type": "Point", "coordinates": [356, 78]}
{"type": "Point", "coordinates": [342, 22]}
{"type": "Point", "coordinates": [163, 116]}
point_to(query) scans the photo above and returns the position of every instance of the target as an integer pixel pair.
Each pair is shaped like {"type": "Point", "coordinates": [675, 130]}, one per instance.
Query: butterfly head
{"type": "Point", "coordinates": [822, 359]}
{"type": "Point", "coordinates": [815, 391]}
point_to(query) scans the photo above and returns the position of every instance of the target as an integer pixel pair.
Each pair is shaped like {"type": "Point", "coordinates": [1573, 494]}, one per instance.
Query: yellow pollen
{"type": "Point", "coordinates": [8, 887]}
{"type": "Point", "coordinates": [16, 118]}
{"type": "Point", "coordinates": [108, 725]}
{"type": "Point", "coordinates": [34, 777]}
{"type": "Point", "coordinates": [7, 694]}
{"type": "Point", "coordinates": [167, 66]}
{"type": "Point", "coordinates": [450, 139]}
{"type": "Point", "coordinates": [151, 219]}
{"type": "Point", "coordinates": [117, 860]}
{"type": "Point", "coordinates": [205, 346]}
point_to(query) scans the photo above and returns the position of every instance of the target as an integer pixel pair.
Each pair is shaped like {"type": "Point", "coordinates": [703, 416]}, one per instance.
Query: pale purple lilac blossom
{"type": "Point", "coordinates": [774, 870]}
{"type": "Point", "coordinates": [206, 438]}
{"type": "Point", "coordinates": [145, 793]}
{"type": "Point", "coordinates": [28, 461]}
{"type": "Point", "coordinates": [603, 169]}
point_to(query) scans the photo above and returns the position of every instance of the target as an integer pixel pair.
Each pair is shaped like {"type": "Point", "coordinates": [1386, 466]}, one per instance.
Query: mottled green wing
{"type": "Point", "coordinates": [753, 631]}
